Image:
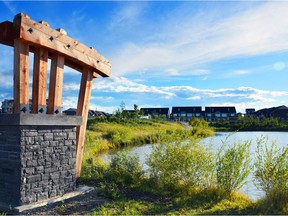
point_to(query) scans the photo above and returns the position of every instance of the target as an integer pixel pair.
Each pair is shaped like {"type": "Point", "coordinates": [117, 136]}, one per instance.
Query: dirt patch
{"type": "Point", "coordinates": [79, 205]}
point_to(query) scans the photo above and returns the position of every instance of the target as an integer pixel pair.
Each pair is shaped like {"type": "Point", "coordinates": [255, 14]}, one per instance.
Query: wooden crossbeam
{"type": "Point", "coordinates": [7, 33]}
{"type": "Point", "coordinates": [82, 110]}
{"type": "Point", "coordinates": [21, 75]}
{"type": "Point", "coordinates": [39, 34]}
{"type": "Point", "coordinates": [39, 81]}
{"type": "Point", "coordinates": [56, 83]}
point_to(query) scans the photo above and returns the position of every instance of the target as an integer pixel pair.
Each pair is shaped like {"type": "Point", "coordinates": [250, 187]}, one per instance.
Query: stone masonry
{"type": "Point", "coordinates": [37, 162]}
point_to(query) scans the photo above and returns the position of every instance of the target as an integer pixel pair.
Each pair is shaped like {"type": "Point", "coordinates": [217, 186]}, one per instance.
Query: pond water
{"type": "Point", "coordinates": [216, 142]}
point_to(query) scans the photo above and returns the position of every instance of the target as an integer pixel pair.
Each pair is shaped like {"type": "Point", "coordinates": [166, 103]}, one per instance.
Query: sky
{"type": "Point", "coordinates": [169, 53]}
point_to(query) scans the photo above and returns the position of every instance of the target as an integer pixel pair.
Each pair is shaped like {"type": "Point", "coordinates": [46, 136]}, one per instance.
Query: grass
{"type": "Point", "coordinates": [240, 204]}
{"type": "Point", "coordinates": [103, 136]}
{"type": "Point", "coordinates": [174, 186]}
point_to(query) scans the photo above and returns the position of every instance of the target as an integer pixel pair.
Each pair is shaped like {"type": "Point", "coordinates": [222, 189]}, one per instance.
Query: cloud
{"type": "Point", "coordinates": [237, 73]}
{"type": "Point", "coordinates": [10, 7]}
{"type": "Point", "coordinates": [126, 16]}
{"type": "Point", "coordinates": [6, 81]}
{"type": "Point", "coordinates": [122, 86]}
{"type": "Point", "coordinates": [119, 85]}
{"type": "Point", "coordinates": [203, 38]}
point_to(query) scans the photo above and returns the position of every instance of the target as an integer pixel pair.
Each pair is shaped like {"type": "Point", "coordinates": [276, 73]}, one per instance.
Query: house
{"type": "Point", "coordinates": [100, 113]}
{"type": "Point", "coordinates": [70, 111]}
{"type": "Point", "coordinates": [220, 113]}
{"type": "Point", "coordinates": [280, 112]}
{"type": "Point", "coordinates": [186, 112]}
{"type": "Point", "coordinates": [250, 111]}
{"type": "Point", "coordinates": [156, 112]}
{"type": "Point", "coordinates": [7, 106]}
{"type": "Point", "coordinates": [91, 113]}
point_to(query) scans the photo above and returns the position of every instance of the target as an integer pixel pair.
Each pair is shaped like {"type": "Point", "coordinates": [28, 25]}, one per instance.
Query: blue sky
{"type": "Point", "coordinates": [170, 53]}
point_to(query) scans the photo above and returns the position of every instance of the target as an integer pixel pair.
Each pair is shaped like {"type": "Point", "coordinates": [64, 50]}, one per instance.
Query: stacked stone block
{"type": "Point", "coordinates": [37, 162]}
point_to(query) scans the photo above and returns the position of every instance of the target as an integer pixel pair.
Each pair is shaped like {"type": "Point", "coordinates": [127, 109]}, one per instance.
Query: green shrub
{"type": "Point", "coordinates": [120, 137]}
{"type": "Point", "coordinates": [125, 171]}
{"type": "Point", "coordinates": [181, 165]}
{"type": "Point", "coordinates": [233, 166]}
{"type": "Point", "coordinates": [271, 174]}
{"type": "Point", "coordinates": [93, 170]}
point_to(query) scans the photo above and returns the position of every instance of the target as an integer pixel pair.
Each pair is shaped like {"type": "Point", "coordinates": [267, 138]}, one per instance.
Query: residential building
{"type": "Point", "coordinates": [220, 113]}
{"type": "Point", "coordinates": [184, 113]}
{"type": "Point", "coordinates": [7, 106]}
{"type": "Point", "coordinates": [91, 113]}
{"type": "Point", "coordinates": [280, 112]}
{"type": "Point", "coordinates": [250, 111]}
{"type": "Point", "coordinates": [70, 111]}
{"type": "Point", "coordinates": [156, 112]}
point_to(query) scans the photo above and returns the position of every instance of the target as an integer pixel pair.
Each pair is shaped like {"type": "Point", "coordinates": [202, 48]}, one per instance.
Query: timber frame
{"type": "Point", "coordinates": [26, 35]}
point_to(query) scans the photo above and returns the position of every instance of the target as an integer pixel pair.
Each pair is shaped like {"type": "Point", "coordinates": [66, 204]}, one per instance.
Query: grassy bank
{"type": "Point", "coordinates": [183, 177]}
{"type": "Point", "coordinates": [102, 136]}
{"type": "Point", "coordinates": [189, 179]}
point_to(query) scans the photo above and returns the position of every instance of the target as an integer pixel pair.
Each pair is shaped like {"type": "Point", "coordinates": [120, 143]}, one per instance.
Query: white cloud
{"type": "Point", "coordinates": [237, 73]}
{"type": "Point", "coordinates": [6, 81]}
{"type": "Point", "coordinates": [201, 39]}
{"type": "Point", "coordinates": [194, 98]}
{"type": "Point", "coordinates": [10, 7]}
{"type": "Point", "coordinates": [126, 15]}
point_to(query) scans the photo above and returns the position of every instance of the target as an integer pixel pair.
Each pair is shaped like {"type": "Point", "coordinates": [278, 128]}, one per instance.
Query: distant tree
{"type": "Point", "coordinates": [122, 106]}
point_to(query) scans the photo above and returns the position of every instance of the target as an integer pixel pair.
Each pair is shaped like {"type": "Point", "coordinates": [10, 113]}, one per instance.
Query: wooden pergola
{"type": "Point", "coordinates": [26, 35]}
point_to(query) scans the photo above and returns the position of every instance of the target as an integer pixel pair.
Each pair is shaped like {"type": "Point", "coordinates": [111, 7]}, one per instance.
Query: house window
{"type": "Point", "coordinates": [224, 115]}
{"type": "Point", "coordinates": [175, 114]}
{"type": "Point", "coordinates": [209, 114]}
{"type": "Point", "coordinates": [189, 115]}
{"type": "Point", "coordinates": [183, 114]}
{"type": "Point", "coordinates": [198, 115]}
{"type": "Point", "coordinates": [217, 115]}
{"type": "Point", "coordinates": [232, 114]}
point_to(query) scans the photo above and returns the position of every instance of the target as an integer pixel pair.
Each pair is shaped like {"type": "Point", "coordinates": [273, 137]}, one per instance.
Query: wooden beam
{"type": "Point", "coordinates": [7, 33]}
{"type": "Point", "coordinates": [21, 75]}
{"type": "Point", "coordinates": [39, 34]}
{"type": "Point", "coordinates": [39, 80]}
{"type": "Point", "coordinates": [56, 83]}
{"type": "Point", "coordinates": [82, 110]}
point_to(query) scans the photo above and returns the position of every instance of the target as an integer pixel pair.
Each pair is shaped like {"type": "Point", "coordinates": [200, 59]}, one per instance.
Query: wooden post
{"type": "Point", "coordinates": [56, 83]}
{"type": "Point", "coordinates": [82, 110]}
{"type": "Point", "coordinates": [39, 81]}
{"type": "Point", "coordinates": [21, 76]}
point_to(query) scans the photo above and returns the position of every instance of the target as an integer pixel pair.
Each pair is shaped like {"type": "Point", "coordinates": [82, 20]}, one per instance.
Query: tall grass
{"type": "Point", "coordinates": [191, 176]}
{"type": "Point", "coordinates": [271, 176]}
{"type": "Point", "coordinates": [233, 166]}
{"type": "Point", "coordinates": [180, 166]}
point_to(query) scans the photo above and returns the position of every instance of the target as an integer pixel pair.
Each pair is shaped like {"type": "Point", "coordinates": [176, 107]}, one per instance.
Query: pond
{"type": "Point", "coordinates": [249, 189]}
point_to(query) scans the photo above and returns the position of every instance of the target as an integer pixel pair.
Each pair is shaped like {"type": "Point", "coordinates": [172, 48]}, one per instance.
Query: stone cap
{"type": "Point", "coordinates": [39, 119]}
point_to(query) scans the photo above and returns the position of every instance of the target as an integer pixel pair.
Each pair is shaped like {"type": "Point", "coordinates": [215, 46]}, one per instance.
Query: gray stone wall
{"type": "Point", "coordinates": [36, 162]}
{"type": "Point", "coordinates": [10, 165]}
{"type": "Point", "coordinates": [48, 160]}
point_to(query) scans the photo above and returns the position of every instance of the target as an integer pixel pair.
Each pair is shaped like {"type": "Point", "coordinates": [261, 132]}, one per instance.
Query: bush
{"type": "Point", "coordinates": [200, 128]}
{"type": "Point", "coordinates": [271, 174]}
{"type": "Point", "coordinates": [119, 137]}
{"type": "Point", "coordinates": [233, 166]}
{"type": "Point", "coordinates": [125, 171]}
{"type": "Point", "coordinates": [179, 166]}
{"type": "Point", "coordinates": [93, 170]}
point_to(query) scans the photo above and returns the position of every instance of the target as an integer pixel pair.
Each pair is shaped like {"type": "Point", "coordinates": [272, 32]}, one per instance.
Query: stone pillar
{"type": "Point", "coordinates": [37, 157]}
